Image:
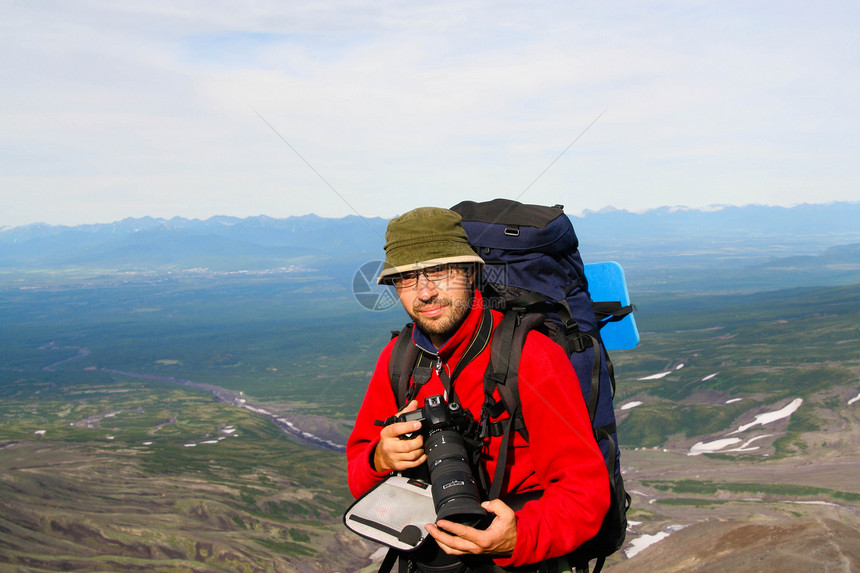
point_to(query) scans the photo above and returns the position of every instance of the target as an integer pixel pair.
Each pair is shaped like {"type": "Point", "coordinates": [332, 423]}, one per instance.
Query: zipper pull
{"type": "Point", "coordinates": [438, 364]}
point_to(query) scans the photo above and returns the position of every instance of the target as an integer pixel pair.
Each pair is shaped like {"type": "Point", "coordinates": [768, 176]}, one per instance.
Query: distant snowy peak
{"type": "Point", "coordinates": [652, 210]}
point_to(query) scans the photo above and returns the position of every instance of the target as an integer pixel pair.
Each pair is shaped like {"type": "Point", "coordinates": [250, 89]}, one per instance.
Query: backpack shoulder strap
{"type": "Point", "coordinates": [502, 372]}
{"type": "Point", "coordinates": [404, 357]}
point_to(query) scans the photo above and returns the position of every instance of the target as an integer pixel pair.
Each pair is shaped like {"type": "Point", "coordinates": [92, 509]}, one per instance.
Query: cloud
{"type": "Point", "coordinates": [115, 109]}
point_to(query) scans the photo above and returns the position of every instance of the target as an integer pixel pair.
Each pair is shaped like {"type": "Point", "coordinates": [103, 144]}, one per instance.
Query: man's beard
{"type": "Point", "coordinates": [446, 327]}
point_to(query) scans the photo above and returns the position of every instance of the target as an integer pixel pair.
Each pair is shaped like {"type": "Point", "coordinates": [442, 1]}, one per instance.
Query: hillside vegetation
{"type": "Point", "coordinates": [100, 474]}
{"type": "Point", "coordinates": [726, 358]}
{"type": "Point", "coordinates": [738, 409]}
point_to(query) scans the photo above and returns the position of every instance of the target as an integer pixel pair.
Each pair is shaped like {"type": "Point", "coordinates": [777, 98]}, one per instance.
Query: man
{"type": "Point", "coordinates": [433, 269]}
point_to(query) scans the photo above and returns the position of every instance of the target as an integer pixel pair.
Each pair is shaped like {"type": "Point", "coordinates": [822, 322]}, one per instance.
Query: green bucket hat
{"type": "Point", "coordinates": [425, 237]}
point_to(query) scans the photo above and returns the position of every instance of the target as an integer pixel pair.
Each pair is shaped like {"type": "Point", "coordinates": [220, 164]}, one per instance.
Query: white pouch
{"type": "Point", "coordinates": [393, 513]}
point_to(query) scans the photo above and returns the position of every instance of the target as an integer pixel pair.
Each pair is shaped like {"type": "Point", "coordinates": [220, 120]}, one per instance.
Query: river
{"type": "Point", "coordinates": [235, 399]}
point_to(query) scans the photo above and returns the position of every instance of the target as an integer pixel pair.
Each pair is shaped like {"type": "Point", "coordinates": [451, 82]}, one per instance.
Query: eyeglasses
{"type": "Point", "coordinates": [433, 274]}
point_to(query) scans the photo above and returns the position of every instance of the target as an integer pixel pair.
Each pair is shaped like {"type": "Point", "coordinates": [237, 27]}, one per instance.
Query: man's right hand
{"type": "Point", "coordinates": [395, 454]}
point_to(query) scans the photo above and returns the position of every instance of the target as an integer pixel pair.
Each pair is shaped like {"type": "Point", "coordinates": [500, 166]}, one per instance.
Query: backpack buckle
{"type": "Point", "coordinates": [498, 379]}
{"type": "Point", "coordinates": [581, 342]}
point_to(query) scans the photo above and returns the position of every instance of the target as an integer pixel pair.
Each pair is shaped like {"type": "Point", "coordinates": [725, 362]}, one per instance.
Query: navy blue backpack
{"type": "Point", "coordinates": [534, 274]}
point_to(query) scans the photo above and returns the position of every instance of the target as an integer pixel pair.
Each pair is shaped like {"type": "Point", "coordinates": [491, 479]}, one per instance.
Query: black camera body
{"type": "Point", "coordinates": [436, 414]}
{"type": "Point", "coordinates": [455, 491]}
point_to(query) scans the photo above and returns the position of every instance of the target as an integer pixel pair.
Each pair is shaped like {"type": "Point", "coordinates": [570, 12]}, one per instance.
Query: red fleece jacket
{"type": "Point", "coordinates": [561, 457]}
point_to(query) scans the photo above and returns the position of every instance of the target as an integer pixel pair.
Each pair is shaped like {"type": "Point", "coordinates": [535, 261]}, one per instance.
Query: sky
{"type": "Point", "coordinates": [192, 108]}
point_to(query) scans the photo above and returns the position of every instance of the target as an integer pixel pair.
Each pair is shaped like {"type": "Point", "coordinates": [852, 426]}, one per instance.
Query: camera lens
{"type": "Point", "coordinates": [455, 492]}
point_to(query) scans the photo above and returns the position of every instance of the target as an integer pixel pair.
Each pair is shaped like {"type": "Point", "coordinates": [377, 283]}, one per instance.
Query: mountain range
{"type": "Point", "coordinates": [752, 233]}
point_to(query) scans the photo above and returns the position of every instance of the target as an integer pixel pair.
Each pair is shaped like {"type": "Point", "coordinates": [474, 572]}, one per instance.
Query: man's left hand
{"type": "Point", "coordinates": [498, 539]}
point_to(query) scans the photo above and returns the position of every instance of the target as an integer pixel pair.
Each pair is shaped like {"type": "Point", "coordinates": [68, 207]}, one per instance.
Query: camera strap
{"type": "Point", "coordinates": [477, 344]}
